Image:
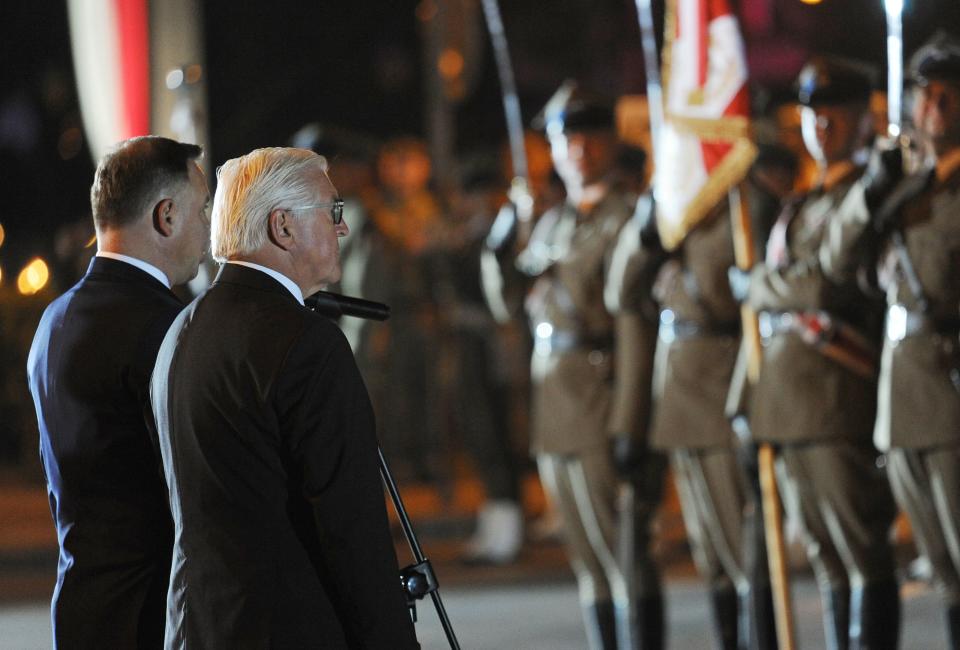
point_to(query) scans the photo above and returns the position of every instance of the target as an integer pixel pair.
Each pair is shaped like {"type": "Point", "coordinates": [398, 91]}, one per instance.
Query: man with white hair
{"type": "Point", "coordinates": [267, 434]}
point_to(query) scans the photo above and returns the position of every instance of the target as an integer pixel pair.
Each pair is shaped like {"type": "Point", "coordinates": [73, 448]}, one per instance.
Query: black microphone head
{"type": "Point", "coordinates": [334, 305]}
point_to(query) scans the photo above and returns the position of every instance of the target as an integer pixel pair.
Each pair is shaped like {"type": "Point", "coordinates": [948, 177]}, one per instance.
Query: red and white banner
{"type": "Point", "coordinates": [704, 147]}
{"type": "Point", "coordinates": [111, 48]}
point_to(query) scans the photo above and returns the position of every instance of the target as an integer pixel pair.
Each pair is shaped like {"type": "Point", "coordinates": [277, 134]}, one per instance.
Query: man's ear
{"type": "Point", "coordinates": [163, 217]}
{"type": "Point", "coordinates": [278, 229]}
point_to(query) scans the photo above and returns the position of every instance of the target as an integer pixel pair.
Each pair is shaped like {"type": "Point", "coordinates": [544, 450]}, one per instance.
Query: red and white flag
{"type": "Point", "coordinates": [704, 147]}
{"type": "Point", "coordinates": [111, 47]}
{"type": "Point", "coordinates": [126, 54]}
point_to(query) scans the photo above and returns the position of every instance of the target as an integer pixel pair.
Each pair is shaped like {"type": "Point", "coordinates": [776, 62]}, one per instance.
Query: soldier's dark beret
{"type": "Point", "coordinates": [572, 109]}
{"type": "Point", "coordinates": [938, 58]}
{"type": "Point", "coordinates": [335, 142]}
{"type": "Point", "coordinates": [831, 80]}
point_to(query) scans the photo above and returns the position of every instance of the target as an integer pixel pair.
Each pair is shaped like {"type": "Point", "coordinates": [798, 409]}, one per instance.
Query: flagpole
{"type": "Point", "coordinates": [894, 12]}
{"type": "Point", "coordinates": [627, 497]}
{"type": "Point", "coordinates": [772, 515]}
{"type": "Point", "coordinates": [651, 66]}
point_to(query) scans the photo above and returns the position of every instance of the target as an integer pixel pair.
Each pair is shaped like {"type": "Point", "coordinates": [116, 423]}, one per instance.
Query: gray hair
{"type": "Point", "coordinates": [250, 187]}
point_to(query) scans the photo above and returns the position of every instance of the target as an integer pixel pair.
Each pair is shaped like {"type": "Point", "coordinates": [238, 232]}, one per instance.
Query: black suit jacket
{"type": "Point", "coordinates": [89, 372]}
{"type": "Point", "coordinates": [269, 450]}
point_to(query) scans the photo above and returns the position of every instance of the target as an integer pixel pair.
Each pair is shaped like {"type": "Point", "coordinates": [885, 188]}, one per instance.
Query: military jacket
{"type": "Point", "coordinates": [694, 363]}
{"type": "Point", "coordinates": [802, 394]}
{"type": "Point", "coordinates": [588, 361]}
{"type": "Point", "coordinates": [919, 396]}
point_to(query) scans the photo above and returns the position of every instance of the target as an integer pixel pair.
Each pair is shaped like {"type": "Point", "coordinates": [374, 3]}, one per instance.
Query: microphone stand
{"type": "Point", "coordinates": [418, 579]}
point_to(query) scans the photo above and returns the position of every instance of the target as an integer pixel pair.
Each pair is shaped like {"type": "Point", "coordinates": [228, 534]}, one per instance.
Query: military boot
{"type": "Point", "coordinates": [649, 632]}
{"type": "Point", "coordinates": [836, 618]}
{"type": "Point", "coordinates": [725, 616]}
{"type": "Point", "coordinates": [953, 626]}
{"type": "Point", "coordinates": [645, 631]}
{"type": "Point", "coordinates": [499, 534]}
{"type": "Point", "coordinates": [875, 616]}
{"type": "Point", "coordinates": [601, 625]}
{"type": "Point", "coordinates": [758, 623]}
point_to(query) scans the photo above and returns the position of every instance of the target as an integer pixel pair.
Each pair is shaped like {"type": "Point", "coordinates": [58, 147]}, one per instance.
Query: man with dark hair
{"type": "Point", "coordinates": [89, 370]}
{"type": "Point", "coordinates": [909, 227]}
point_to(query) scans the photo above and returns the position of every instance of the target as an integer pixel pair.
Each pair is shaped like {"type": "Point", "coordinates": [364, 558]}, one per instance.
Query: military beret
{"type": "Point", "coordinates": [831, 80]}
{"type": "Point", "coordinates": [572, 109]}
{"type": "Point", "coordinates": [335, 142]}
{"type": "Point", "coordinates": [938, 58]}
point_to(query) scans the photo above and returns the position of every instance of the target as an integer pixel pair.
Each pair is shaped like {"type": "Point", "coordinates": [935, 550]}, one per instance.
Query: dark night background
{"type": "Point", "coordinates": [273, 66]}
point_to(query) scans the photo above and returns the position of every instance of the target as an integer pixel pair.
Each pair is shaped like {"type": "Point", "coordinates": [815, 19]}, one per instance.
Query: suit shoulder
{"type": "Point", "coordinates": [322, 330]}
{"type": "Point", "coordinates": [149, 298]}
{"type": "Point", "coordinates": [303, 328]}
{"type": "Point", "coordinates": [318, 348]}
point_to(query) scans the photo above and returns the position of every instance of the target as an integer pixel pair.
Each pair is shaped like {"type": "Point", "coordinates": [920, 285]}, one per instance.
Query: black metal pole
{"type": "Point", "coordinates": [415, 549]}
{"type": "Point", "coordinates": [418, 580]}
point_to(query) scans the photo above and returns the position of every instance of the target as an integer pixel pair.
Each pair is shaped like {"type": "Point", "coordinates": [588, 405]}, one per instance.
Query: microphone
{"type": "Point", "coordinates": [333, 305]}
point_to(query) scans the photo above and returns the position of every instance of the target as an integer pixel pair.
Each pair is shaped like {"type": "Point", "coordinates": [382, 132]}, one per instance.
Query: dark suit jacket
{"type": "Point", "coordinates": [270, 453]}
{"type": "Point", "coordinates": [89, 371]}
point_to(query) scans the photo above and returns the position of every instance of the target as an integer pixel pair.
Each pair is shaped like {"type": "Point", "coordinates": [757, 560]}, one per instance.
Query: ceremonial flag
{"type": "Point", "coordinates": [704, 147]}
{"type": "Point", "coordinates": [124, 53]}
{"type": "Point", "coordinates": [111, 60]}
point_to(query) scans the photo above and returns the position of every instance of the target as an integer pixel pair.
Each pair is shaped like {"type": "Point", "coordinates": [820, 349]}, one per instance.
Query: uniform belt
{"type": "Point", "coordinates": [674, 329]}
{"type": "Point", "coordinates": [902, 323]}
{"type": "Point", "coordinates": [547, 339]}
{"type": "Point", "coordinates": [773, 323]}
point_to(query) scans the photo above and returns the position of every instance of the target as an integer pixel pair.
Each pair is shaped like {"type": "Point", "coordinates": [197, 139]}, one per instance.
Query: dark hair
{"type": "Point", "coordinates": [134, 173]}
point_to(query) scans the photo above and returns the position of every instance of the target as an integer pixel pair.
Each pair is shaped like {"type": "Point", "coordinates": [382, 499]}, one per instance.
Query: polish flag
{"type": "Point", "coordinates": [111, 47]}
{"type": "Point", "coordinates": [704, 147]}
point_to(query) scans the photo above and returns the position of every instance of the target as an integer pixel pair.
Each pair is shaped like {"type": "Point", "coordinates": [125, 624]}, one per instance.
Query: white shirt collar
{"type": "Point", "coordinates": [276, 275]}
{"type": "Point", "coordinates": [146, 267]}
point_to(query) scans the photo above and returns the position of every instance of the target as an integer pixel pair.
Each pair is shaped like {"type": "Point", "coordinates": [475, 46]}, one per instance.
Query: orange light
{"type": "Point", "coordinates": [193, 73]}
{"type": "Point", "coordinates": [450, 63]}
{"type": "Point", "coordinates": [2, 234]}
{"type": "Point", "coordinates": [427, 11]}
{"type": "Point", "coordinates": [811, 2]}
{"type": "Point", "coordinates": [33, 277]}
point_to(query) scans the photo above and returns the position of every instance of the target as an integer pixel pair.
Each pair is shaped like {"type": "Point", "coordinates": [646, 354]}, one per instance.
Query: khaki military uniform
{"type": "Point", "coordinates": [699, 337]}
{"type": "Point", "coordinates": [918, 417]}
{"type": "Point", "coordinates": [819, 412]}
{"type": "Point", "coordinates": [590, 370]}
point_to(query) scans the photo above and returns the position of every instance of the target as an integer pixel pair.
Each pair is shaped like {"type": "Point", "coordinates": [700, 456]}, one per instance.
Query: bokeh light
{"type": "Point", "coordinates": [33, 277]}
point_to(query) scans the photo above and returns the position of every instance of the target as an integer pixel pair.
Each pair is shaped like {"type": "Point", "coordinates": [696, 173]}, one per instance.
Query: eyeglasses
{"type": "Point", "coordinates": [336, 209]}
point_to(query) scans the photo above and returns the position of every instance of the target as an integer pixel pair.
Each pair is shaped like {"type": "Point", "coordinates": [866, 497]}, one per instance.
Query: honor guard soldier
{"type": "Point", "coordinates": [696, 352]}
{"type": "Point", "coordinates": [588, 371]}
{"type": "Point", "coordinates": [911, 228]}
{"type": "Point", "coordinates": [816, 395]}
